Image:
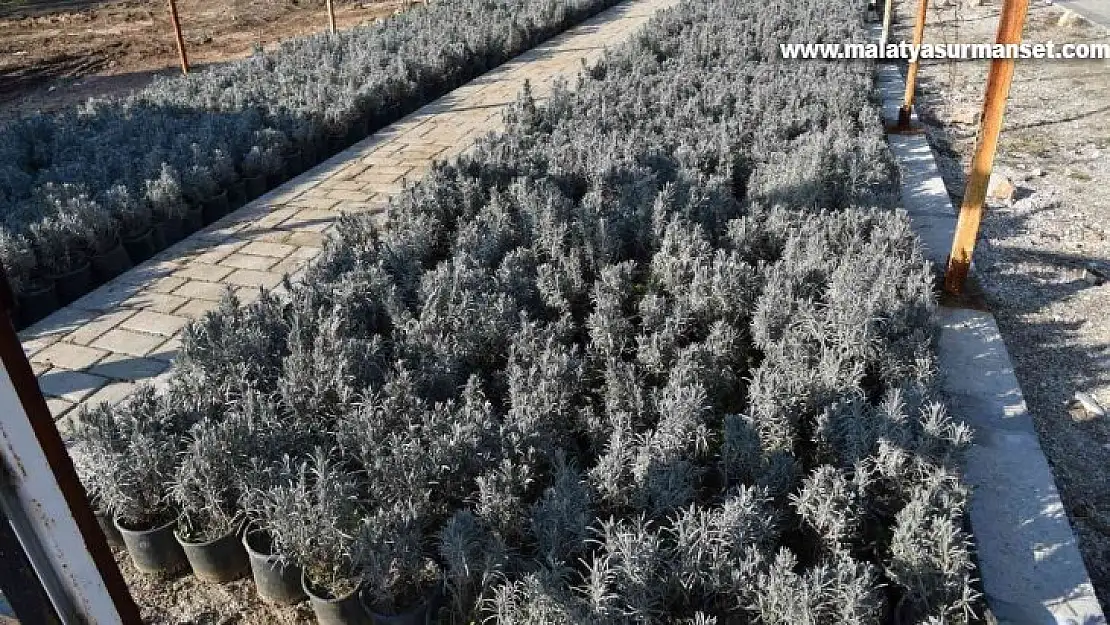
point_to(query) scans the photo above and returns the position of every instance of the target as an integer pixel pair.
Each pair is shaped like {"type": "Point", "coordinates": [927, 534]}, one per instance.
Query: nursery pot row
{"type": "Point", "coordinates": [355, 608]}
{"type": "Point", "coordinates": [162, 551]}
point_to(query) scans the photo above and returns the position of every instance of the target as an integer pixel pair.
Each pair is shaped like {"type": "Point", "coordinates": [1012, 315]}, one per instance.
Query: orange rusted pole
{"type": "Point", "coordinates": [911, 74]}
{"type": "Point", "coordinates": [1010, 24]}
{"type": "Point", "coordinates": [180, 39]}
{"type": "Point", "coordinates": [331, 17]}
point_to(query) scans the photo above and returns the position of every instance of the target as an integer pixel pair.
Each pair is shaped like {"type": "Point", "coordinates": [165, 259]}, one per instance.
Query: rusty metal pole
{"type": "Point", "coordinates": [180, 39]}
{"type": "Point", "coordinates": [331, 17]}
{"type": "Point", "coordinates": [911, 73]}
{"type": "Point", "coordinates": [1010, 24]}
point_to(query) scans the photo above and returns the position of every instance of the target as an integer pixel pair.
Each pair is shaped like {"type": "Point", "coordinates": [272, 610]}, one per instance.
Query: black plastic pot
{"type": "Point", "coordinates": [111, 532]}
{"type": "Point", "coordinates": [215, 207]}
{"type": "Point", "coordinates": [237, 194]}
{"type": "Point", "coordinates": [310, 154]}
{"type": "Point", "coordinates": [345, 610]}
{"type": "Point", "coordinates": [140, 247]}
{"type": "Point", "coordinates": [254, 186]}
{"type": "Point", "coordinates": [278, 177]}
{"type": "Point", "coordinates": [417, 615]}
{"type": "Point", "coordinates": [275, 583]}
{"type": "Point", "coordinates": [294, 163]}
{"type": "Point", "coordinates": [154, 550]}
{"type": "Point", "coordinates": [194, 219]}
{"type": "Point", "coordinates": [219, 560]}
{"type": "Point", "coordinates": [336, 143]}
{"type": "Point", "coordinates": [73, 284]}
{"type": "Point", "coordinates": [173, 230]}
{"type": "Point", "coordinates": [36, 304]}
{"type": "Point", "coordinates": [111, 263]}
{"type": "Point", "coordinates": [358, 131]}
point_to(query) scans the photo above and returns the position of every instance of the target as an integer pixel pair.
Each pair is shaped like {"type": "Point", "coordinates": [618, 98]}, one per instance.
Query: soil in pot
{"type": "Point", "coordinates": [219, 560]}
{"type": "Point", "coordinates": [345, 609]}
{"type": "Point", "coordinates": [37, 303]}
{"type": "Point", "coordinates": [140, 246]}
{"type": "Point", "coordinates": [154, 550]}
{"type": "Point", "coordinates": [215, 207]}
{"type": "Point", "coordinates": [275, 583]}
{"type": "Point", "coordinates": [73, 284]}
{"type": "Point", "coordinates": [111, 263]}
{"type": "Point", "coordinates": [255, 186]}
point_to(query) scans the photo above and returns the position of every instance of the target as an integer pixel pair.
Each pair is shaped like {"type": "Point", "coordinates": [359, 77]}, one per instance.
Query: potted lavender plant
{"type": "Point", "coordinates": [203, 191]}
{"type": "Point", "coordinates": [60, 249]}
{"type": "Point", "coordinates": [167, 203]}
{"type": "Point", "coordinates": [205, 489]}
{"type": "Point", "coordinates": [313, 515]}
{"type": "Point", "coordinates": [135, 222]}
{"type": "Point", "coordinates": [102, 235]}
{"type": "Point", "coordinates": [34, 293]}
{"type": "Point", "coordinates": [129, 460]}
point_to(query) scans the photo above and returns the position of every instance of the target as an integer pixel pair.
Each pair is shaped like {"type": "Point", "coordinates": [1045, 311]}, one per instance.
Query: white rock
{"type": "Point", "coordinates": [1089, 404]}
{"type": "Point", "coordinates": [1000, 187]}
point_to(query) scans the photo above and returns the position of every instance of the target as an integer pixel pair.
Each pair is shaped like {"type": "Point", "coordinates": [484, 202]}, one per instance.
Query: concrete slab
{"type": "Point", "coordinates": [1029, 558]}
{"type": "Point", "coordinates": [1029, 561]}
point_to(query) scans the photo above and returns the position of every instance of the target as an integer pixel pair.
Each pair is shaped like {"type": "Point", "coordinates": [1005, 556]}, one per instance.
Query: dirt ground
{"type": "Point", "coordinates": [1043, 259]}
{"type": "Point", "coordinates": [58, 58]}
{"type": "Point", "coordinates": [185, 600]}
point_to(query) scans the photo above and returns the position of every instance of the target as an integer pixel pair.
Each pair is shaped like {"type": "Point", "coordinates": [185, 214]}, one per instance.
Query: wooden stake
{"type": "Point", "coordinates": [911, 74]}
{"type": "Point", "coordinates": [888, 17]}
{"type": "Point", "coordinates": [180, 39]}
{"type": "Point", "coordinates": [1010, 24]}
{"type": "Point", "coordinates": [331, 17]}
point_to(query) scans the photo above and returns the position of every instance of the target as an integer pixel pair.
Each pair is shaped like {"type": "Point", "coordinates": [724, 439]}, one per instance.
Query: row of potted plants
{"type": "Point", "coordinates": [74, 185]}
{"type": "Point", "coordinates": [642, 358]}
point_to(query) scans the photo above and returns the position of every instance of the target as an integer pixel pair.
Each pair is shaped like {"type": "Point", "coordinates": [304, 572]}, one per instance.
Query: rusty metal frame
{"type": "Point", "coordinates": [45, 502]}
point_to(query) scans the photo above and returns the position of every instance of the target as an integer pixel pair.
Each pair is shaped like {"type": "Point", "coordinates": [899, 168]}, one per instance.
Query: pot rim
{"type": "Point", "coordinates": [85, 266]}
{"type": "Point", "coordinates": [142, 235]}
{"type": "Point", "coordinates": [115, 248]}
{"type": "Point", "coordinates": [47, 287]}
{"type": "Point", "coordinates": [207, 543]}
{"type": "Point", "coordinates": [122, 529]}
{"type": "Point", "coordinates": [306, 586]}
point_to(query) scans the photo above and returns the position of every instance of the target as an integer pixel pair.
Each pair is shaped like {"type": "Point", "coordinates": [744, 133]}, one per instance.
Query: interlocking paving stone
{"type": "Point", "coordinates": [69, 355]}
{"type": "Point", "coordinates": [155, 323]}
{"type": "Point", "coordinates": [58, 407]}
{"type": "Point", "coordinates": [132, 324]}
{"type": "Point", "coordinates": [196, 289]}
{"type": "Point", "coordinates": [72, 386]}
{"type": "Point", "coordinates": [124, 367]}
{"type": "Point", "coordinates": [127, 342]}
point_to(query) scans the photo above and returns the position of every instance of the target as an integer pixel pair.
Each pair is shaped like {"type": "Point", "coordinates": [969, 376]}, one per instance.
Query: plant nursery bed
{"type": "Point", "coordinates": [661, 352]}
{"type": "Point", "coordinates": [88, 192]}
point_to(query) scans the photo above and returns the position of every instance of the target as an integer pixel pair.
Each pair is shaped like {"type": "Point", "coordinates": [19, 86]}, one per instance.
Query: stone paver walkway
{"type": "Point", "coordinates": [128, 330]}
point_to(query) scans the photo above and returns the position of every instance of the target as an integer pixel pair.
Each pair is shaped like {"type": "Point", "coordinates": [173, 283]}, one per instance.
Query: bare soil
{"type": "Point", "coordinates": [185, 600]}
{"type": "Point", "coordinates": [56, 54]}
{"type": "Point", "coordinates": [1043, 258]}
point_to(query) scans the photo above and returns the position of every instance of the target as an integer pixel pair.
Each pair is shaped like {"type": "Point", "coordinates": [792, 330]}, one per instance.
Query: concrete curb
{"type": "Point", "coordinates": [1029, 560]}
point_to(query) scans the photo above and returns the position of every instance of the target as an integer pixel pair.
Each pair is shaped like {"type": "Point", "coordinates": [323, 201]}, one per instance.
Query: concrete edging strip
{"type": "Point", "coordinates": [1029, 561]}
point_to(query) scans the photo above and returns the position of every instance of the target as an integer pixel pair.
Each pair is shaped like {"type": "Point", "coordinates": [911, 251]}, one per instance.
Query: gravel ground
{"type": "Point", "coordinates": [1043, 258]}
